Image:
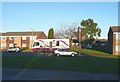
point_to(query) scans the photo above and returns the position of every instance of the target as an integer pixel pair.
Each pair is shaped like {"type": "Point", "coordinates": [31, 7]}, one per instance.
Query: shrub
{"type": "Point", "coordinates": [25, 48]}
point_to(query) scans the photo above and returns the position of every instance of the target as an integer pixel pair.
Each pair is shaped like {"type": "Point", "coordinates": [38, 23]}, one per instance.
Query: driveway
{"type": "Point", "coordinates": [40, 74]}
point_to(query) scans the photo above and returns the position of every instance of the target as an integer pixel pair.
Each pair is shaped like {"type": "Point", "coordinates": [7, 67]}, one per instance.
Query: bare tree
{"type": "Point", "coordinates": [60, 33]}
{"type": "Point", "coordinates": [66, 31]}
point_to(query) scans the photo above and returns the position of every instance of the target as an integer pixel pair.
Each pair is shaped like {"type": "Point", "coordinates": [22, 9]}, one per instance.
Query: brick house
{"type": "Point", "coordinates": [114, 40]}
{"type": "Point", "coordinates": [21, 39]}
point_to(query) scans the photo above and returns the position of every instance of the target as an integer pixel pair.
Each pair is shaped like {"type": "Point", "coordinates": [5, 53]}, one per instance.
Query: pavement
{"type": "Point", "coordinates": [40, 74]}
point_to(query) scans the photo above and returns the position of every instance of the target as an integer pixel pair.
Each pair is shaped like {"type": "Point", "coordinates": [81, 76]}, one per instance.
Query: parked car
{"type": "Point", "coordinates": [15, 49]}
{"type": "Point", "coordinates": [59, 52]}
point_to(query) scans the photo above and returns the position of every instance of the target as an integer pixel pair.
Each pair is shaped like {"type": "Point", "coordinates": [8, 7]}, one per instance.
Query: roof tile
{"type": "Point", "coordinates": [115, 28]}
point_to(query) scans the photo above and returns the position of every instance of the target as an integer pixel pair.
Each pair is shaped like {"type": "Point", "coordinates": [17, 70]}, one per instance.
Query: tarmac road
{"type": "Point", "coordinates": [27, 54]}
{"type": "Point", "coordinates": [39, 74]}
{"type": "Point", "coordinates": [23, 54]}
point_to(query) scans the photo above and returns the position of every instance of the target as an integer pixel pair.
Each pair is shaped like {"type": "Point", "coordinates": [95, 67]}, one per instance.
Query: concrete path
{"type": "Point", "coordinates": [37, 74]}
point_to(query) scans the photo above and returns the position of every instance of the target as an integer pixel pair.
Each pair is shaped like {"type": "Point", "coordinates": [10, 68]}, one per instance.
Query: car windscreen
{"type": "Point", "coordinates": [65, 50]}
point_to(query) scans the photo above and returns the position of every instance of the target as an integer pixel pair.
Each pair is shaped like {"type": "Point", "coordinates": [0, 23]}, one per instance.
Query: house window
{"type": "Point", "coordinates": [32, 37]}
{"type": "Point", "coordinates": [117, 47]}
{"type": "Point", "coordinates": [23, 45]}
{"type": "Point", "coordinates": [57, 43]}
{"type": "Point", "coordinates": [11, 45]}
{"type": "Point", "coordinates": [3, 38]}
{"type": "Point", "coordinates": [117, 36]}
{"type": "Point", "coordinates": [12, 38]}
{"type": "Point", "coordinates": [23, 37]}
{"type": "Point", "coordinates": [3, 45]}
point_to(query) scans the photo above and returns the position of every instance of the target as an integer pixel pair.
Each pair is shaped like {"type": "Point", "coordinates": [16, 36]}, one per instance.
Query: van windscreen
{"type": "Point", "coordinates": [36, 43]}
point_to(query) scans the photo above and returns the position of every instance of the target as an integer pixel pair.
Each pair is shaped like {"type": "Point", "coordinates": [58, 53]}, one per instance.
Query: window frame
{"type": "Point", "coordinates": [24, 45]}
{"type": "Point", "coordinates": [12, 38]}
{"type": "Point", "coordinates": [117, 36]}
{"type": "Point", "coordinates": [24, 37]}
{"type": "Point", "coordinates": [117, 48]}
{"type": "Point", "coordinates": [3, 37]}
{"type": "Point", "coordinates": [3, 45]}
{"type": "Point", "coordinates": [11, 45]}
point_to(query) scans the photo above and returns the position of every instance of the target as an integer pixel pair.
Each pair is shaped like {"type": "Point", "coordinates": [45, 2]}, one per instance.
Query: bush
{"type": "Point", "coordinates": [25, 48]}
{"type": "Point", "coordinates": [2, 50]}
{"type": "Point", "coordinates": [100, 48]}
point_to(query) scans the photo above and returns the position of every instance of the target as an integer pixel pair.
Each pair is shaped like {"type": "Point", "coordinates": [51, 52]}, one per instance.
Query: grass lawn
{"type": "Point", "coordinates": [27, 50]}
{"type": "Point", "coordinates": [2, 50]}
{"type": "Point", "coordinates": [80, 63]}
{"type": "Point", "coordinates": [95, 53]}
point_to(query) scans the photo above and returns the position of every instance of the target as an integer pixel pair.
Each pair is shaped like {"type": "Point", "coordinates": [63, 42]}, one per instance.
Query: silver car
{"type": "Point", "coordinates": [59, 52]}
{"type": "Point", "coordinates": [15, 49]}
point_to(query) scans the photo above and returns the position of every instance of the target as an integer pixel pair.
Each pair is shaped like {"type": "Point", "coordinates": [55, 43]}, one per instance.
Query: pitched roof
{"type": "Point", "coordinates": [115, 28]}
{"type": "Point", "coordinates": [22, 33]}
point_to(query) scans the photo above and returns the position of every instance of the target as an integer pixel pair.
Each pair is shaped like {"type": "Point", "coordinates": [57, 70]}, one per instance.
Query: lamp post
{"type": "Point", "coordinates": [32, 35]}
{"type": "Point", "coordinates": [79, 38]}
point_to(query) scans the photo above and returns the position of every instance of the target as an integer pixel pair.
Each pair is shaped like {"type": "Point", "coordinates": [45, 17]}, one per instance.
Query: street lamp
{"type": "Point", "coordinates": [32, 35]}
{"type": "Point", "coordinates": [79, 38]}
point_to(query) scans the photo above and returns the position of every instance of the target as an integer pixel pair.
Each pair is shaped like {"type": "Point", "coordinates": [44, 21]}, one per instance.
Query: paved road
{"type": "Point", "coordinates": [31, 74]}
{"type": "Point", "coordinates": [27, 54]}
{"type": "Point", "coordinates": [23, 54]}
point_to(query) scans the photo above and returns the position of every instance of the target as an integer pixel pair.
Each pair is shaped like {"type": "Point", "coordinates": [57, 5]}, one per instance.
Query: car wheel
{"type": "Point", "coordinates": [58, 54]}
{"type": "Point", "coordinates": [16, 50]}
{"type": "Point", "coordinates": [7, 50]}
{"type": "Point", "coordinates": [72, 54]}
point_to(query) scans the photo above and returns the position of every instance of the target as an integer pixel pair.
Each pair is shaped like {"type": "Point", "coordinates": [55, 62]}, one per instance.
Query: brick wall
{"type": "Point", "coordinates": [116, 43]}
{"type": "Point", "coordinates": [27, 41]}
{"type": "Point", "coordinates": [8, 41]}
{"type": "Point", "coordinates": [19, 41]}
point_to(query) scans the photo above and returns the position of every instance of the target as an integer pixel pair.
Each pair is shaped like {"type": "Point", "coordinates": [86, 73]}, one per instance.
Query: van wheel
{"type": "Point", "coordinates": [58, 54]}
{"type": "Point", "coordinates": [72, 54]}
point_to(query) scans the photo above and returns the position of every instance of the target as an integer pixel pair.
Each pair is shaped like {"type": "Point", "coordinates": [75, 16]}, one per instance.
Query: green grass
{"type": "Point", "coordinates": [1, 50]}
{"type": "Point", "coordinates": [96, 62]}
{"type": "Point", "coordinates": [95, 53]}
{"type": "Point", "coordinates": [27, 50]}
{"type": "Point", "coordinates": [82, 64]}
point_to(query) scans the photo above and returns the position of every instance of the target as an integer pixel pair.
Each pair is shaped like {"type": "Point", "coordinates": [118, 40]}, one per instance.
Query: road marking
{"type": "Point", "coordinates": [19, 74]}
